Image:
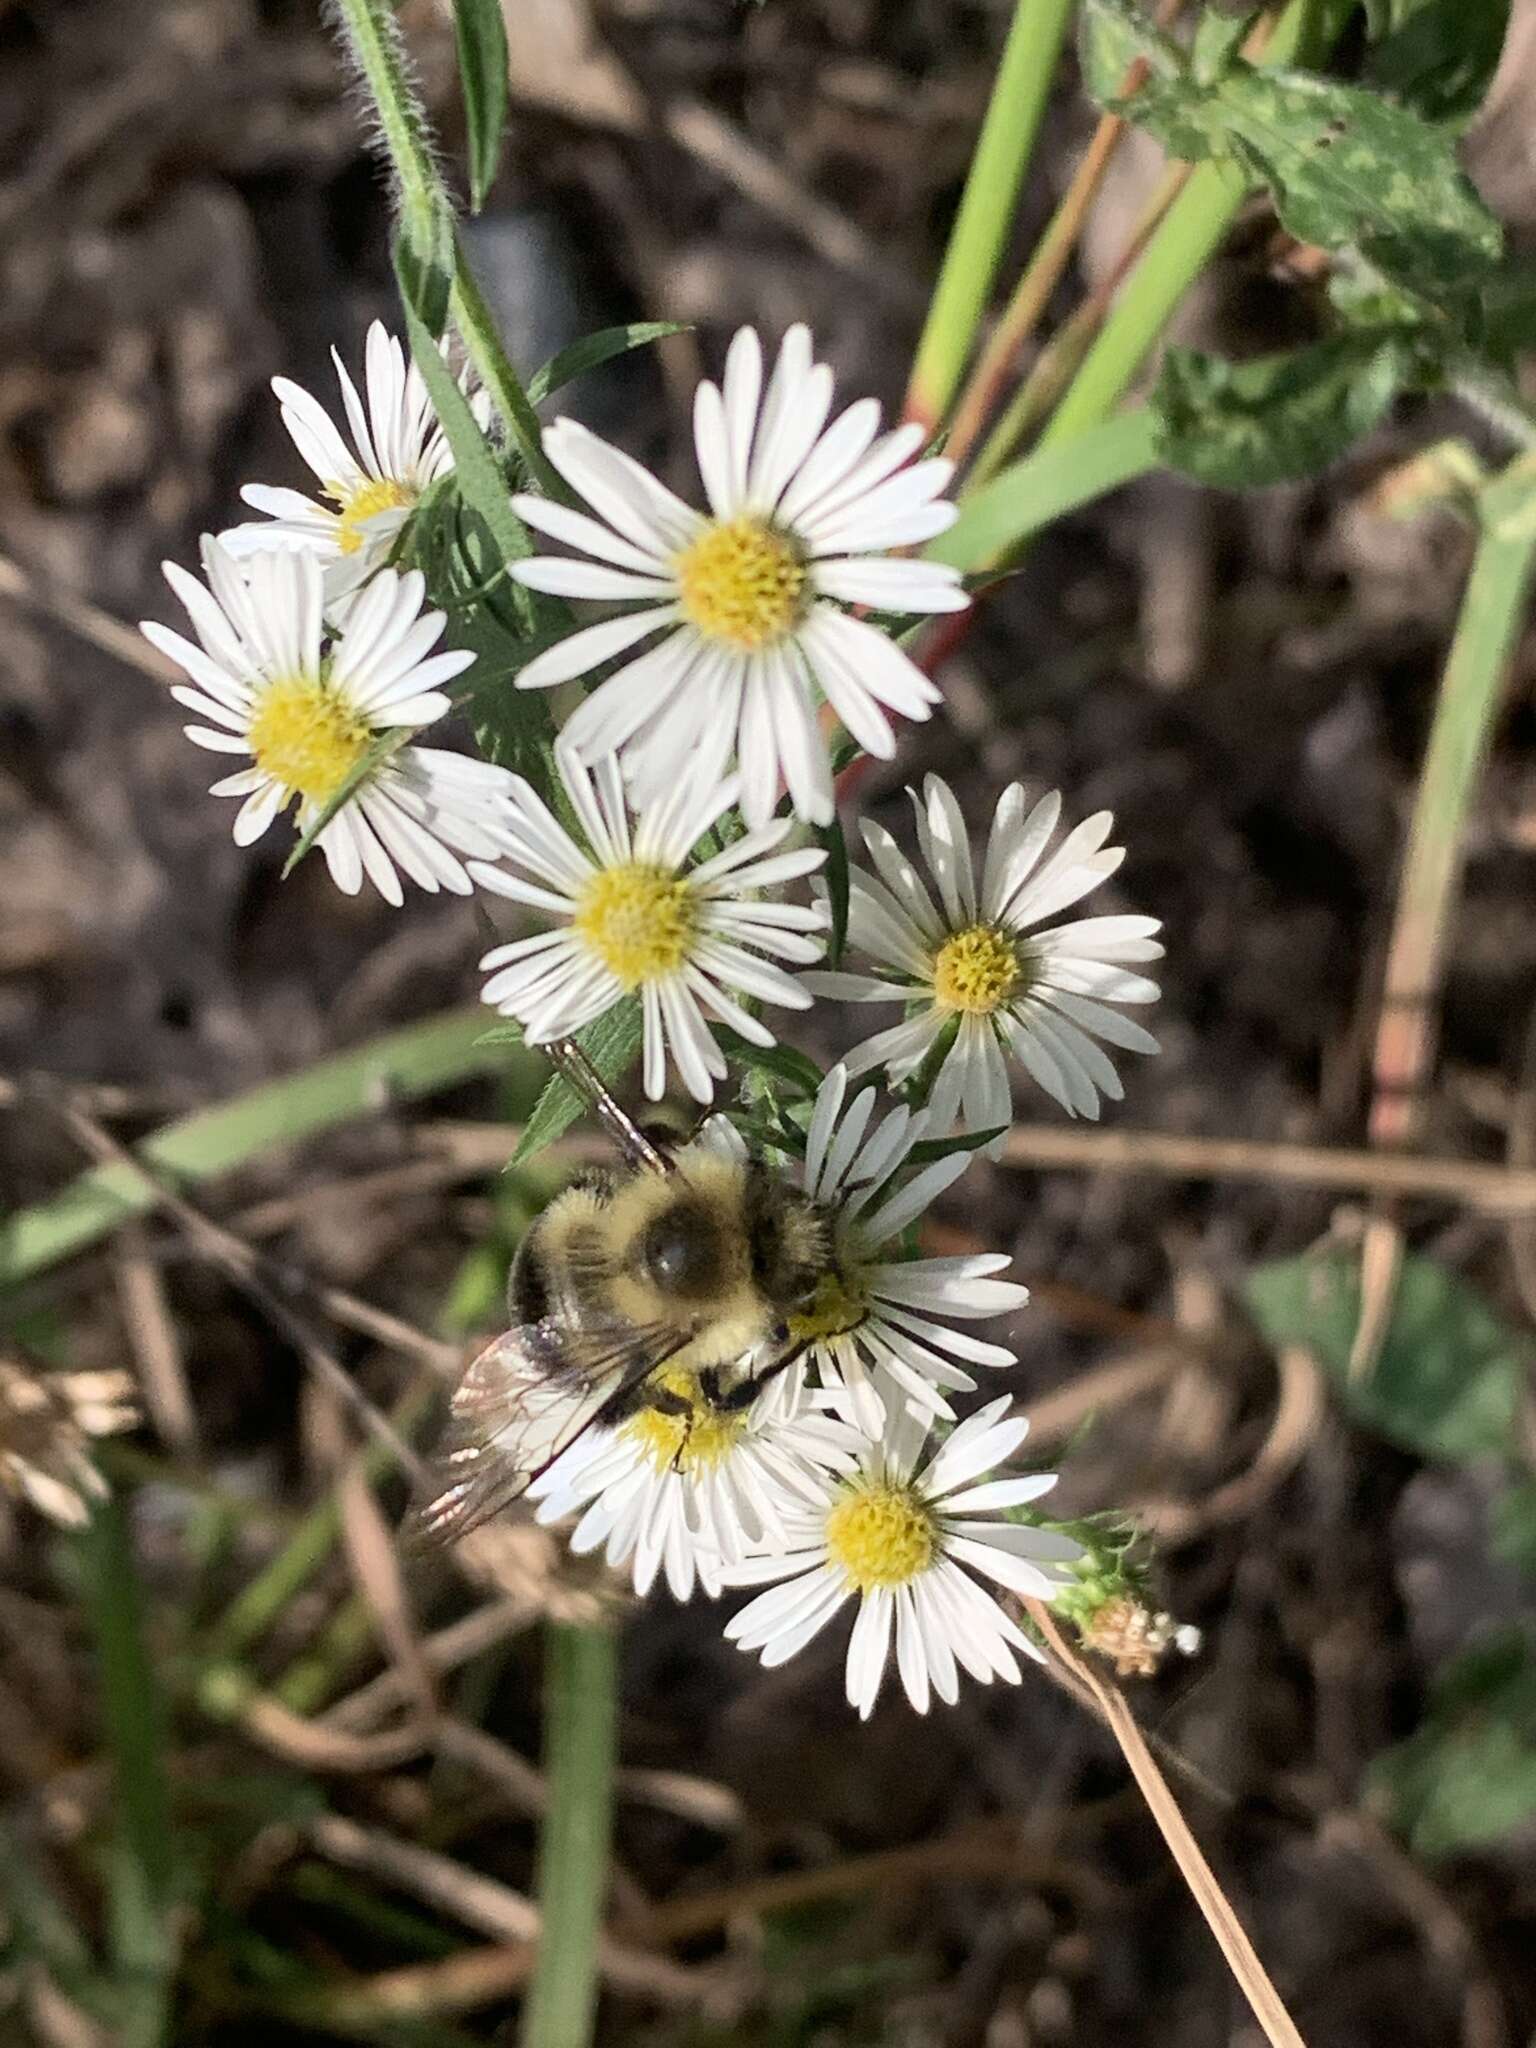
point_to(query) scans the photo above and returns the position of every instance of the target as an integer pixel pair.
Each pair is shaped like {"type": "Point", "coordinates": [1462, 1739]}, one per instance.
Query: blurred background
{"type": "Point", "coordinates": [186, 208]}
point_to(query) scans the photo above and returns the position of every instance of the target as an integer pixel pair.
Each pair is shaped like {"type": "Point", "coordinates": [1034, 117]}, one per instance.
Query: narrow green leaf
{"type": "Point", "coordinates": [929, 1149]}
{"type": "Point", "coordinates": [481, 32]}
{"type": "Point", "coordinates": [612, 1043]}
{"type": "Point", "coordinates": [424, 258]}
{"type": "Point", "coordinates": [1053, 481]}
{"type": "Point", "coordinates": [386, 744]}
{"type": "Point", "coordinates": [593, 349]}
{"type": "Point", "coordinates": [836, 875]}
{"type": "Point", "coordinates": [1447, 1381]}
{"type": "Point", "coordinates": [779, 1062]}
{"type": "Point", "coordinates": [1240, 425]}
{"type": "Point", "coordinates": [1345, 167]}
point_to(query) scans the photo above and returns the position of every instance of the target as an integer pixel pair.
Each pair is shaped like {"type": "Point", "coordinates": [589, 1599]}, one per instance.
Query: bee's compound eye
{"type": "Point", "coordinates": [680, 1252]}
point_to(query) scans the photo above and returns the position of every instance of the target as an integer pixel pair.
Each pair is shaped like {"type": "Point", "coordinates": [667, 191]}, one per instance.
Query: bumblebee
{"type": "Point", "coordinates": [684, 1267]}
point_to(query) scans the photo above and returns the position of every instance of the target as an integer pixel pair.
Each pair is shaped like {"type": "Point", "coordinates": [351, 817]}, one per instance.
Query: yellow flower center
{"type": "Point", "coordinates": [638, 920]}
{"type": "Point", "coordinates": [976, 970]}
{"type": "Point", "coordinates": [695, 1442]}
{"type": "Point", "coordinates": [838, 1306]}
{"type": "Point", "coordinates": [358, 503]}
{"type": "Point", "coordinates": [741, 582]}
{"type": "Point", "coordinates": [881, 1536]}
{"type": "Point", "coordinates": [306, 737]}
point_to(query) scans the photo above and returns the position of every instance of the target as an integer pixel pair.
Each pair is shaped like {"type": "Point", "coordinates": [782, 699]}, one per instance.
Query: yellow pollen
{"type": "Point", "coordinates": [691, 1443]}
{"type": "Point", "coordinates": [306, 737]}
{"type": "Point", "coordinates": [358, 503]}
{"type": "Point", "coordinates": [976, 971]}
{"type": "Point", "coordinates": [881, 1536]}
{"type": "Point", "coordinates": [638, 920]}
{"type": "Point", "coordinates": [741, 582]}
{"type": "Point", "coordinates": [838, 1306]}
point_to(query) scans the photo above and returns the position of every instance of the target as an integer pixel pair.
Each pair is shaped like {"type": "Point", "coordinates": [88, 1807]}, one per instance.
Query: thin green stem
{"type": "Point", "coordinates": [143, 1864]}
{"type": "Point", "coordinates": [1466, 710]}
{"type": "Point", "coordinates": [395, 1068]}
{"type": "Point", "coordinates": [1003, 150]}
{"type": "Point", "coordinates": [580, 1724]}
{"type": "Point", "coordinates": [472, 317]}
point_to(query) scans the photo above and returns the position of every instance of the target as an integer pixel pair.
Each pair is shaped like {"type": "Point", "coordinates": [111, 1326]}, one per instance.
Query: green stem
{"type": "Point", "coordinates": [427, 221]}
{"type": "Point", "coordinates": [580, 1722]}
{"type": "Point", "coordinates": [1003, 151]}
{"type": "Point", "coordinates": [395, 1068]}
{"type": "Point", "coordinates": [1471, 692]}
{"type": "Point", "coordinates": [143, 1863]}
{"type": "Point", "coordinates": [1189, 237]}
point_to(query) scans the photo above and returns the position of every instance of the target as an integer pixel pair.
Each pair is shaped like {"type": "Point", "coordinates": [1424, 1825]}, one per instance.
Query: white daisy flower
{"type": "Point", "coordinates": [976, 963]}
{"type": "Point", "coordinates": [638, 917]}
{"type": "Point", "coordinates": [754, 598]}
{"type": "Point", "coordinates": [368, 488]}
{"type": "Point", "coordinates": [906, 1542]}
{"type": "Point", "coordinates": [693, 1490]}
{"type": "Point", "coordinates": [308, 711]}
{"type": "Point", "coordinates": [878, 1331]}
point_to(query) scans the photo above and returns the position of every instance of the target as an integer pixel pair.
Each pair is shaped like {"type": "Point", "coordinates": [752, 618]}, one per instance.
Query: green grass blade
{"type": "Point", "coordinates": [394, 1068]}
{"type": "Point", "coordinates": [1024, 75]}
{"type": "Point", "coordinates": [999, 517]}
{"type": "Point", "coordinates": [581, 1724]}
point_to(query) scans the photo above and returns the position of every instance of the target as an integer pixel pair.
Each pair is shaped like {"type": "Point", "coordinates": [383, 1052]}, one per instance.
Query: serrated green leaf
{"type": "Point", "coordinates": [1448, 1377]}
{"type": "Point", "coordinates": [835, 873]}
{"type": "Point", "coordinates": [1437, 56]}
{"type": "Point", "coordinates": [1241, 425]}
{"type": "Point", "coordinates": [612, 1043]}
{"type": "Point", "coordinates": [481, 33]}
{"type": "Point", "coordinates": [1346, 168]}
{"type": "Point", "coordinates": [593, 349]}
{"type": "Point", "coordinates": [1468, 1773]}
{"type": "Point", "coordinates": [1217, 41]}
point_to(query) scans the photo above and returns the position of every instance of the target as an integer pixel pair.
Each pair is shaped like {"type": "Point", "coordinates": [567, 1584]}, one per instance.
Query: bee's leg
{"type": "Point", "coordinates": [746, 1391]}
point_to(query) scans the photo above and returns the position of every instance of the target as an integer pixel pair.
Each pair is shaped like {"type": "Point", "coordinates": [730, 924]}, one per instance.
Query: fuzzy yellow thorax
{"type": "Point", "coordinates": [741, 582]}
{"type": "Point", "coordinates": [639, 920]}
{"type": "Point", "coordinates": [881, 1536]}
{"type": "Point", "coordinates": [307, 737]}
{"type": "Point", "coordinates": [976, 971]}
{"type": "Point", "coordinates": [356, 504]}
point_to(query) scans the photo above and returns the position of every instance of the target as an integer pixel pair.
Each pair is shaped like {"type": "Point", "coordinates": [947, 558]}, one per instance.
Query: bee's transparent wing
{"type": "Point", "coordinates": [524, 1400]}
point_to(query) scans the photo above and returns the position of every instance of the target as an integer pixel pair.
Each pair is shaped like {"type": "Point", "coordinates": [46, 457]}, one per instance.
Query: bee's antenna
{"type": "Point", "coordinates": [572, 1061]}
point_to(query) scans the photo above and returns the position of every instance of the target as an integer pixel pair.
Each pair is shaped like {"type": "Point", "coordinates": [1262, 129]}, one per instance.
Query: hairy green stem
{"type": "Point", "coordinates": [580, 1732]}
{"type": "Point", "coordinates": [976, 241]}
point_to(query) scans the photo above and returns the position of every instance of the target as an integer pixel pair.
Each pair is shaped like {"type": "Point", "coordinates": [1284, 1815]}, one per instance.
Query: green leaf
{"type": "Point", "coordinates": [999, 517]}
{"type": "Point", "coordinates": [424, 258]}
{"type": "Point", "coordinates": [1437, 56]}
{"type": "Point", "coordinates": [1447, 1381]}
{"type": "Point", "coordinates": [924, 1153]}
{"type": "Point", "coordinates": [1346, 169]}
{"type": "Point", "coordinates": [779, 1062]}
{"type": "Point", "coordinates": [1468, 1774]}
{"type": "Point", "coordinates": [386, 744]}
{"type": "Point", "coordinates": [481, 32]}
{"type": "Point", "coordinates": [1514, 1526]}
{"type": "Point", "coordinates": [611, 1042]}
{"type": "Point", "coordinates": [1238, 425]}
{"type": "Point", "coordinates": [836, 875]}
{"type": "Point", "coordinates": [593, 349]}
